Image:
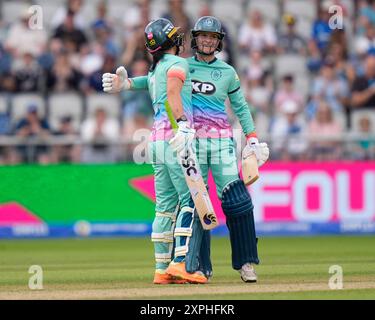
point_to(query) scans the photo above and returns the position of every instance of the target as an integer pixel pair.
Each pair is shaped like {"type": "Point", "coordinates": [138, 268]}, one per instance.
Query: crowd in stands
{"type": "Point", "coordinates": [302, 77]}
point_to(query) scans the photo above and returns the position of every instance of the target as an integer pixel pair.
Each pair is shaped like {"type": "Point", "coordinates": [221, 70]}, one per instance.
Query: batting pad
{"type": "Point", "coordinates": [238, 209]}
{"type": "Point", "coordinates": [192, 262]}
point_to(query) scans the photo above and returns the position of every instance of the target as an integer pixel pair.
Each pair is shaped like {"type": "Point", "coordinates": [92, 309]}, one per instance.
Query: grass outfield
{"type": "Point", "coordinates": [122, 268]}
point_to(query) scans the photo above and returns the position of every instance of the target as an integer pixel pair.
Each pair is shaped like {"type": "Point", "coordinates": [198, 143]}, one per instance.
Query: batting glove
{"type": "Point", "coordinates": [114, 83]}
{"type": "Point", "coordinates": [261, 150]}
{"type": "Point", "coordinates": [183, 139]}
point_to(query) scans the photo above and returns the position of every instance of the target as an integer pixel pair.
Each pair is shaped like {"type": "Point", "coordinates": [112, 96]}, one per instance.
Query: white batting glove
{"type": "Point", "coordinates": [261, 150]}
{"type": "Point", "coordinates": [114, 83]}
{"type": "Point", "coordinates": [183, 139]}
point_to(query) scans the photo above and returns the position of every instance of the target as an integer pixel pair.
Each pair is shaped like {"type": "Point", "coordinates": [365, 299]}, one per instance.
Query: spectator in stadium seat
{"type": "Point", "coordinates": [137, 105]}
{"type": "Point", "coordinates": [366, 16]}
{"type": "Point", "coordinates": [321, 31]}
{"type": "Point", "coordinates": [342, 67]}
{"type": "Point", "coordinates": [63, 77]}
{"type": "Point", "coordinates": [314, 58]}
{"type": "Point", "coordinates": [290, 41]}
{"type": "Point", "coordinates": [177, 15]}
{"type": "Point", "coordinates": [69, 153]}
{"type": "Point", "coordinates": [94, 81]}
{"type": "Point", "coordinates": [258, 90]}
{"type": "Point", "coordinates": [363, 89]}
{"type": "Point", "coordinates": [69, 34]}
{"type": "Point", "coordinates": [365, 148]}
{"type": "Point", "coordinates": [99, 133]}
{"type": "Point", "coordinates": [21, 39]}
{"type": "Point", "coordinates": [287, 92]}
{"type": "Point", "coordinates": [135, 48]}
{"type": "Point", "coordinates": [103, 32]}
{"type": "Point", "coordinates": [28, 74]}
{"type": "Point", "coordinates": [329, 87]}
{"type": "Point", "coordinates": [137, 15]}
{"type": "Point", "coordinates": [5, 130]}
{"type": "Point", "coordinates": [70, 6]}
{"type": "Point", "coordinates": [324, 126]}
{"type": "Point", "coordinates": [33, 127]}
{"type": "Point", "coordinates": [255, 34]}
{"type": "Point", "coordinates": [287, 132]}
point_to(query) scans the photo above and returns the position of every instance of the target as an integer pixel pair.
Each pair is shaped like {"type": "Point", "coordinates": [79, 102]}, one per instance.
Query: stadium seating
{"type": "Point", "coordinates": [62, 105]}
{"type": "Point", "coordinates": [356, 115]}
{"type": "Point", "coordinates": [12, 10]}
{"type": "Point", "coordinates": [301, 9]}
{"type": "Point", "coordinates": [110, 103]}
{"type": "Point", "coordinates": [22, 101]}
{"type": "Point", "coordinates": [269, 8]}
{"type": "Point", "coordinates": [3, 104]}
{"type": "Point", "coordinates": [290, 63]}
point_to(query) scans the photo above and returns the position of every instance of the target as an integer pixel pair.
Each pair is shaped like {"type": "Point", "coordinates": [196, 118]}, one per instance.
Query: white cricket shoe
{"type": "Point", "coordinates": [248, 273]}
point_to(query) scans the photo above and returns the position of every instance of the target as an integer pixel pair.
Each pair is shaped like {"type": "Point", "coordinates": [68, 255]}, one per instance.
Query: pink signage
{"type": "Point", "coordinates": [304, 192]}
{"type": "Point", "coordinates": [315, 192]}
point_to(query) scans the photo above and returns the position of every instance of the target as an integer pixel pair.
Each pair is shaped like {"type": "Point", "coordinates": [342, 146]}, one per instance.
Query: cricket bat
{"type": "Point", "coordinates": [195, 183]}
{"type": "Point", "coordinates": [250, 172]}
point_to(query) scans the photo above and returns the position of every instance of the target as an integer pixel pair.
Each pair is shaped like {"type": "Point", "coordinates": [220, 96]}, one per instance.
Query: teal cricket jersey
{"type": "Point", "coordinates": [213, 83]}
{"type": "Point", "coordinates": [157, 87]}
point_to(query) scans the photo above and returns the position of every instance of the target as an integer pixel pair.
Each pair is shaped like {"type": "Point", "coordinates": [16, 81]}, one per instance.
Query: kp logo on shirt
{"type": "Point", "coordinates": [203, 87]}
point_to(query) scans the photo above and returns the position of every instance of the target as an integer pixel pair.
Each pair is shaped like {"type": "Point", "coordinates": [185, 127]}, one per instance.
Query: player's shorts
{"type": "Point", "coordinates": [170, 184]}
{"type": "Point", "coordinates": [219, 155]}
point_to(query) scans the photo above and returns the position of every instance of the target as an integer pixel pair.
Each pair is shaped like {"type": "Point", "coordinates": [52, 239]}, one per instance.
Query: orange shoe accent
{"type": "Point", "coordinates": [164, 278]}
{"type": "Point", "coordinates": [178, 270]}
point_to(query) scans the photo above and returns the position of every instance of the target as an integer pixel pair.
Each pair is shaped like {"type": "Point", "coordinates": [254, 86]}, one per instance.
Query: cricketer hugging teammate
{"type": "Point", "coordinates": [191, 131]}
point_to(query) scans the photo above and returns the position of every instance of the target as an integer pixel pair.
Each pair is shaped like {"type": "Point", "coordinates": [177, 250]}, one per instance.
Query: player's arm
{"type": "Point", "coordinates": [242, 111]}
{"type": "Point", "coordinates": [240, 107]}
{"type": "Point", "coordinates": [184, 136]}
{"type": "Point", "coordinates": [175, 80]}
{"type": "Point", "coordinates": [114, 83]}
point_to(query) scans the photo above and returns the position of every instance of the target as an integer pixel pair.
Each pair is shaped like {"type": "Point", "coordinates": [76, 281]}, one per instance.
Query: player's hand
{"type": "Point", "coordinates": [114, 83]}
{"type": "Point", "coordinates": [183, 139]}
{"type": "Point", "coordinates": [261, 151]}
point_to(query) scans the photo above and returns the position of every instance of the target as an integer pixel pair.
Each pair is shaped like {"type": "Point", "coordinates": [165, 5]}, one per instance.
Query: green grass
{"type": "Point", "coordinates": [123, 263]}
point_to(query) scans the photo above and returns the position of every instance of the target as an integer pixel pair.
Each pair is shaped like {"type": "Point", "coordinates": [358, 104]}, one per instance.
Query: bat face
{"type": "Point", "coordinates": [250, 172]}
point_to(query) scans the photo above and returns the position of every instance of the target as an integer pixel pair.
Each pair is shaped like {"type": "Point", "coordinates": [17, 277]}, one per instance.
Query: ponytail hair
{"type": "Point", "coordinates": [156, 58]}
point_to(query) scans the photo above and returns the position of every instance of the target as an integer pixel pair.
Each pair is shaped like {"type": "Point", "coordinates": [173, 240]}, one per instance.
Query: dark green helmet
{"type": "Point", "coordinates": [161, 34]}
{"type": "Point", "coordinates": [207, 24]}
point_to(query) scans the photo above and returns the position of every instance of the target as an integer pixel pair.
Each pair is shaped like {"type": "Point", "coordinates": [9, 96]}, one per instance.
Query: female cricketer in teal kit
{"type": "Point", "coordinates": [213, 82]}
{"type": "Point", "coordinates": [168, 79]}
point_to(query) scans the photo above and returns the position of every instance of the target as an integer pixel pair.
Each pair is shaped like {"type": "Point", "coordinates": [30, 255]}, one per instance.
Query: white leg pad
{"type": "Point", "coordinates": [166, 236]}
{"type": "Point", "coordinates": [163, 257]}
{"type": "Point", "coordinates": [181, 251]}
{"type": "Point", "coordinates": [183, 232]}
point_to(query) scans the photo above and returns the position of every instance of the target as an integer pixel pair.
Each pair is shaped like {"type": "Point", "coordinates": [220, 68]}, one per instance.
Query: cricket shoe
{"type": "Point", "coordinates": [161, 277]}
{"type": "Point", "coordinates": [248, 273]}
{"type": "Point", "coordinates": [178, 270]}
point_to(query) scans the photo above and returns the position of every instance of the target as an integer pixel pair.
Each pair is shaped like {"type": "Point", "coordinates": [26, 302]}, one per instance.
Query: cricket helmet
{"type": "Point", "coordinates": [207, 24]}
{"type": "Point", "coordinates": [161, 35]}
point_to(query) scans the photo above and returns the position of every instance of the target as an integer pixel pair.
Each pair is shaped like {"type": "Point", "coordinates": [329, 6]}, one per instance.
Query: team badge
{"type": "Point", "coordinates": [216, 74]}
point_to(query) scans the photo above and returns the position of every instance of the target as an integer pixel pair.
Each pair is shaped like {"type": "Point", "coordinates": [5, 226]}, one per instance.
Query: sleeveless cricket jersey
{"type": "Point", "coordinates": [213, 83]}
{"type": "Point", "coordinates": [157, 87]}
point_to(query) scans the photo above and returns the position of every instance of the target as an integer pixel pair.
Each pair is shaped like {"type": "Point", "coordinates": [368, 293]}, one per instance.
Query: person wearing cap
{"type": "Point", "coordinates": [290, 41]}
{"type": "Point", "coordinates": [33, 127]}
